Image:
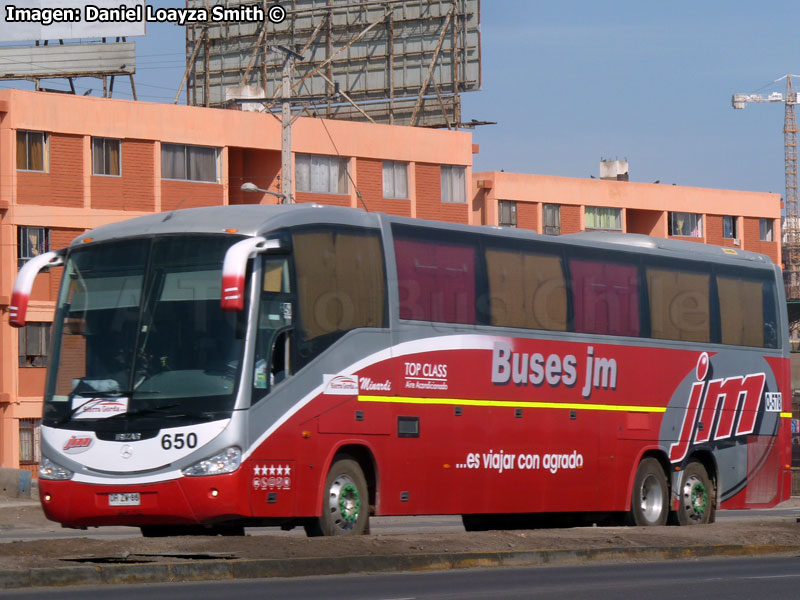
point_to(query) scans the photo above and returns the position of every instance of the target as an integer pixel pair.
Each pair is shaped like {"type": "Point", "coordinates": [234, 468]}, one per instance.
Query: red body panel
{"type": "Point", "coordinates": [558, 435]}
{"type": "Point", "coordinates": [184, 501]}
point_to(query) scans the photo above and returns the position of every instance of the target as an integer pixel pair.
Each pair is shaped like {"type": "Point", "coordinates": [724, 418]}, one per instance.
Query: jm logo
{"type": "Point", "coordinates": [714, 405]}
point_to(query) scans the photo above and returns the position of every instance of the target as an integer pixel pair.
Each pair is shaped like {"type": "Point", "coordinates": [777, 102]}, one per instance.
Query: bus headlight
{"type": "Point", "coordinates": [226, 461]}
{"type": "Point", "coordinates": [50, 470]}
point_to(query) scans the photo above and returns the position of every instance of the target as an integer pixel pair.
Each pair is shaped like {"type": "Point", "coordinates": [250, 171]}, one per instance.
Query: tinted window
{"type": "Point", "coordinates": [747, 311]}
{"type": "Point", "coordinates": [436, 280]}
{"type": "Point", "coordinates": [340, 284]}
{"type": "Point", "coordinates": [526, 289]}
{"type": "Point", "coordinates": [679, 304]}
{"type": "Point", "coordinates": [141, 318]}
{"type": "Point", "coordinates": [605, 297]}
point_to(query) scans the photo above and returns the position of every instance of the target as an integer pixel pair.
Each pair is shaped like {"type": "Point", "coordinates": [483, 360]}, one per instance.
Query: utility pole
{"type": "Point", "coordinates": [286, 130]}
{"type": "Point", "coordinates": [286, 121]}
{"type": "Point", "coordinates": [289, 58]}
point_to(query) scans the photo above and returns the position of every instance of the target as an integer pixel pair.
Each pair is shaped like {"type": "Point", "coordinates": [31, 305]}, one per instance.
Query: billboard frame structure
{"type": "Point", "coordinates": [390, 61]}
{"type": "Point", "coordinates": [70, 20]}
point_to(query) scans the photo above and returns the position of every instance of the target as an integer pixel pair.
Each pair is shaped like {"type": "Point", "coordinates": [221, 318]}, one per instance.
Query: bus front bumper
{"type": "Point", "coordinates": [183, 501]}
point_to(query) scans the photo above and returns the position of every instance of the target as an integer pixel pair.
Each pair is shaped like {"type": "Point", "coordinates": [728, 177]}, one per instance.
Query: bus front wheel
{"type": "Point", "coordinates": [650, 498]}
{"type": "Point", "coordinates": [696, 495]}
{"type": "Point", "coordinates": [345, 503]}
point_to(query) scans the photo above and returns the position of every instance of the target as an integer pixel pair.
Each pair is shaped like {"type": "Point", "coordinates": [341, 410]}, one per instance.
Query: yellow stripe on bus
{"type": "Point", "coordinates": [513, 404]}
{"type": "Point", "coordinates": [786, 415]}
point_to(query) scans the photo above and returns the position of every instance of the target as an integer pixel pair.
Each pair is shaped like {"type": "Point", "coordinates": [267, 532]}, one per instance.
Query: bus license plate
{"type": "Point", "coordinates": [129, 499]}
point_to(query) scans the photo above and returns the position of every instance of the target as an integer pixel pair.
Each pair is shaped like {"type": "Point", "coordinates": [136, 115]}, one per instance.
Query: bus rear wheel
{"type": "Point", "coordinates": [345, 504]}
{"type": "Point", "coordinates": [696, 495]}
{"type": "Point", "coordinates": [650, 498]}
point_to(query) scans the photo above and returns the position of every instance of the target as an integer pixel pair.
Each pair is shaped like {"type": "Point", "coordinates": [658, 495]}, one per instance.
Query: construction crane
{"type": "Point", "coordinates": [791, 223]}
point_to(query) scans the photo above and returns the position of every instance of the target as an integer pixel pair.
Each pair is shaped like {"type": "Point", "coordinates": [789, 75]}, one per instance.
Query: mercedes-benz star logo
{"type": "Point", "coordinates": [126, 451]}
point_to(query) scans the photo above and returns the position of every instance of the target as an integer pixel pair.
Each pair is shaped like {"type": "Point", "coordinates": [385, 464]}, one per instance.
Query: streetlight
{"type": "Point", "coordinates": [249, 186]}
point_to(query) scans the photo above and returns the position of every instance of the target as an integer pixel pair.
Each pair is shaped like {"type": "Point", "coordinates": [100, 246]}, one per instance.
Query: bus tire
{"type": "Point", "coordinates": [345, 503]}
{"type": "Point", "coordinates": [650, 496]}
{"type": "Point", "coordinates": [696, 496]}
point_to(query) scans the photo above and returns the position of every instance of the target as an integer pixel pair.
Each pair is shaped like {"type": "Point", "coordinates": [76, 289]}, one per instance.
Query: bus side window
{"type": "Point", "coordinates": [526, 290]}
{"type": "Point", "coordinates": [679, 304]}
{"type": "Point", "coordinates": [341, 286]}
{"type": "Point", "coordinates": [747, 311]}
{"type": "Point", "coordinates": [605, 296]}
{"type": "Point", "coordinates": [435, 280]}
{"type": "Point", "coordinates": [271, 363]}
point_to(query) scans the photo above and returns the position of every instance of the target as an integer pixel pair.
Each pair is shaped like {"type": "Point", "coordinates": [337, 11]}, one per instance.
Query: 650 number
{"type": "Point", "coordinates": [176, 441]}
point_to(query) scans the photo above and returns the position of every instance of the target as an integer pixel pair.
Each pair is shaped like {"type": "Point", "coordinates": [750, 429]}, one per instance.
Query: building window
{"type": "Point", "coordinates": [34, 340]}
{"type": "Point", "coordinates": [454, 186]}
{"type": "Point", "coordinates": [105, 156]}
{"type": "Point", "coordinates": [686, 224]}
{"type": "Point", "coordinates": [395, 179]}
{"type": "Point", "coordinates": [603, 217]}
{"type": "Point", "coordinates": [189, 163]}
{"type": "Point", "coordinates": [551, 217]}
{"type": "Point", "coordinates": [507, 216]}
{"type": "Point", "coordinates": [320, 174]}
{"type": "Point", "coordinates": [729, 227]}
{"type": "Point", "coordinates": [765, 228]}
{"type": "Point", "coordinates": [31, 151]}
{"type": "Point", "coordinates": [29, 441]}
{"type": "Point", "coordinates": [31, 242]}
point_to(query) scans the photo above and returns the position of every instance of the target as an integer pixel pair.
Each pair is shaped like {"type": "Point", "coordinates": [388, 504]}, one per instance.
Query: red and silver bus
{"type": "Point", "coordinates": [220, 367]}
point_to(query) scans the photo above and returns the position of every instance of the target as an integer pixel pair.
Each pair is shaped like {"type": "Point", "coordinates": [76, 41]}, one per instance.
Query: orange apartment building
{"type": "Point", "coordinates": [559, 205]}
{"type": "Point", "coordinates": [68, 164]}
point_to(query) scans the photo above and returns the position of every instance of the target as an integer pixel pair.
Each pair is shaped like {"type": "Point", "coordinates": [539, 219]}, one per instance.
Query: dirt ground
{"type": "Point", "coordinates": [16, 518]}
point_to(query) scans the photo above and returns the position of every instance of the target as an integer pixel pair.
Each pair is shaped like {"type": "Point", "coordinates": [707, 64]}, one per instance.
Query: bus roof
{"type": "Point", "coordinates": [256, 219]}
{"type": "Point", "coordinates": [248, 220]}
{"type": "Point", "coordinates": [638, 240]}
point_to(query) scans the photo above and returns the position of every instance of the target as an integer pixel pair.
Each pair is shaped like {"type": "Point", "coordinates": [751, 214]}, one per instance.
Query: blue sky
{"type": "Point", "coordinates": [571, 81]}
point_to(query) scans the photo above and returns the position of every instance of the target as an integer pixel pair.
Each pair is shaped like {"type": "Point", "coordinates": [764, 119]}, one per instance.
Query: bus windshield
{"type": "Point", "coordinates": [139, 333]}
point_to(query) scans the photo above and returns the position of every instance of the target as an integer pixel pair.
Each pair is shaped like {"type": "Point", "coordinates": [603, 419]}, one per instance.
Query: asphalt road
{"type": "Point", "coordinates": [776, 578]}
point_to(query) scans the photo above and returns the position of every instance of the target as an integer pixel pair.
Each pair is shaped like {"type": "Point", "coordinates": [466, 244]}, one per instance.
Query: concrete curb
{"type": "Point", "coordinates": [227, 569]}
